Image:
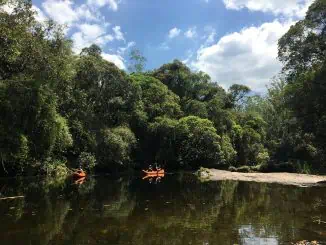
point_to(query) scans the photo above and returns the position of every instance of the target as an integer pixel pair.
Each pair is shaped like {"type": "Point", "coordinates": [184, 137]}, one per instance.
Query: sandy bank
{"type": "Point", "coordinates": [281, 178]}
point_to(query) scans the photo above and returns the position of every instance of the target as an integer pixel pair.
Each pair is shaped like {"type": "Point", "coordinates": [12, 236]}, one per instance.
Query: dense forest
{"type": "Point", "coordinates": [59, 109]}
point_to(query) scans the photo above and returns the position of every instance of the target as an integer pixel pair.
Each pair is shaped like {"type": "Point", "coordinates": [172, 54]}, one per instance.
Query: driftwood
{"type": "Point", "coordinates": [7, 198]}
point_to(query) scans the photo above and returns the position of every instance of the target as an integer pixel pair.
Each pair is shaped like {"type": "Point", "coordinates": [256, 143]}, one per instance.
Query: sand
{"type": "Point", "coordinates": [281, 178]}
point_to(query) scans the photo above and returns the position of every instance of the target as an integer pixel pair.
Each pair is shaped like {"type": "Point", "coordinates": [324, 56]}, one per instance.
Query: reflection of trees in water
{"type": "Point", "coordinates": [177, 211]}
{"type": "Point", "coordinates": [45, 210]}
{"type": "Point", "coordinates": [277, 211]}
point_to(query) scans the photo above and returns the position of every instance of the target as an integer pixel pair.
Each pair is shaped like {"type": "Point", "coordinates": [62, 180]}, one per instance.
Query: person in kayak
{"type": "Point", "coordinates": [150, 168]}
{"type": "Point", "coordinates": [80, 170]}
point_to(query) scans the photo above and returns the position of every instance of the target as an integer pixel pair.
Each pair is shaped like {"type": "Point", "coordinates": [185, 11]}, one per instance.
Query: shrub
{"type": "Point", "coordinates": [87, 161]}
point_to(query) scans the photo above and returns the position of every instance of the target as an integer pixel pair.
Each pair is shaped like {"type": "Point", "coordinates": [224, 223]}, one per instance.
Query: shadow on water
{"type": "Point", "coordinates": [177, 210]}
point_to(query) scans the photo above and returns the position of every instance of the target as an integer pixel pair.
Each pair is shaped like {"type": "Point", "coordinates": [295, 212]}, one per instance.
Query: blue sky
{"type": "Point", "coordinates": [234, 41]}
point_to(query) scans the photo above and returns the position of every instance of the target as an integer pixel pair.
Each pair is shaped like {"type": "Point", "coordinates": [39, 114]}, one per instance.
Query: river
{"type": "Point", "coordinates": [178, 209]}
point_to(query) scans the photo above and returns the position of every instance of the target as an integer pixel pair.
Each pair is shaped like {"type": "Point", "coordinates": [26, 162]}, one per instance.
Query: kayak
{"type": "Point", "coordinates": [147, 176]}
{"type": "Point", "coordinates": [154, 172]}
{"type": "Point", "coordinates": [80, 180]}
{"type": "Point", "coordinates": [79, 174]}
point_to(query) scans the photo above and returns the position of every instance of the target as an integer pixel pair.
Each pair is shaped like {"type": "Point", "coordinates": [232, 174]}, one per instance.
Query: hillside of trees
{"type": "Point", "coordinates": [59, 109]}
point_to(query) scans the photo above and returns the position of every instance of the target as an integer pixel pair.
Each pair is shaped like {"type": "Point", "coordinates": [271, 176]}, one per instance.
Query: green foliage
{"type": "Point", "coordinates": [237, 93]}
{"type": "Point", "coordinates": [115, 147]}
{"type": "Point", "coordinates": [54, 104]}
{"type": "Point", "coordinates": [64, 137]}
{"type": "Point", "coordinates": [196, 108]}
{"type": "Point", "coordinates": [137, 61]}
{"type": "Point", "coordinates": [304, 45]}
{"type": "Point", "coordinates": [87, 161]}
{"type": "Point", "coordinates": [55, 168]}
{"type": "Point", "coordinates": [157, 99]}
{"type": "Point", "coordinates": [197, 142]}
{"type": "Point", "coordinates": [31, 126]}
{"type": "Point", "coordinates": [229, 152]}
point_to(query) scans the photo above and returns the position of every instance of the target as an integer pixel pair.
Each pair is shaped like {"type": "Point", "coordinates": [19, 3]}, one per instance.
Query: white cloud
{"type": "Point", "coordinates": [122, 50]}
{"type": "Point", "coordinates": [113, 4]}
{"type": "Point", "coordinates": [116, 59]}
{"type": "Point", "coordinates": [189, 55]}
{"type": "Point", "coordinates": [290, 8]}
{"type": "Point", "coordinates": [88, 13]}
{"type": "Point", "coordinates": [174, 32]}
{"type": "Point", "coordinates": [61, 11]}
{"type": "Point", "coordinates": [191, 33]}
{"type": "Point", "coordinates": [66, 12]}
{"type": "Point", "coordinates": [117, 32]}
{"type": "Point", "coordinates": [92, 30]}
{"type": "Point", "coordinates": [247, 57]}
{"type": "Point", "coordinates": [210, 35]}
{"type": "Point", "coordinates": [164, 46]}
{"type": "Point", "coordinates": [90, 34]}
{"type": "Point", "coordinates": [39, 14]}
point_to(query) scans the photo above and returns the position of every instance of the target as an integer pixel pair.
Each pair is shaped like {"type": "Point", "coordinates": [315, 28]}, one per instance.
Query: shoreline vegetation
{"type": "Point", "coordinates": [60, 109]}
{"type": "Point", "coordinates": [303, 180]}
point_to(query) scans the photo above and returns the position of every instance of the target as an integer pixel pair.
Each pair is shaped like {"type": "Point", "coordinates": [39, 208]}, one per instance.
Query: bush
{"type": "Point", "coordinates": [242, 169]}
{"type": "Point", "coordinates": [55, 168]}
{"type": "Point", "coordinates": [86, 161]}
{"type": "Point", "coordinates": [115, 147]}
{"type": "Point", "coordinates": [198, 143]}
{"type": "Point", "coordinates": [232, 169]}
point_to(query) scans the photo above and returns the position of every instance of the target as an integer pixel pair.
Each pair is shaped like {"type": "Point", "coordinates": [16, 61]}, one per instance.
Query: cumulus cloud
{"type": "Point", "coordinates": [189, 55]}
{"type": "Point", "coordinates": [88, 13]}
{"type": "Point", "coordinates": [174, 32]}
{"type": "Point", "coordinates": [117, 32]}
{"type": "Point", "coordinates": [209, 36]}
{"type": "Point", "coordinates": [116, 59]}
{"type": "Point", "coordinates": [191, 33]}
{"type": "Point", "coordinates": [122, 50]}
{"type": "Point", "coordinates": [40, 16]}
{"type": "Point", "coordinates": [113, 4]}
{"type": "Point", "coordinates": [247, 57]}
{"type": "Point", "coordinates": [290, 8]}
{"type": "Point", "coordinates": [61, 11]}
{"type": "Point", "coordinates": [68, 13]}
{"type": "Point", "coordinates": [90, 34]}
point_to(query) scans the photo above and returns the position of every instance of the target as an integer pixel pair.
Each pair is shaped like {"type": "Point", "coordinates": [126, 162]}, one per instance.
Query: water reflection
{"type": "Point", "coordinates": [178, 210]}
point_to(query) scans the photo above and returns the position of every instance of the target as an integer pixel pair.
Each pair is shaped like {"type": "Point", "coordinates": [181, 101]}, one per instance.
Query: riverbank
{"type": "Point", "coordinates": [280, 178]}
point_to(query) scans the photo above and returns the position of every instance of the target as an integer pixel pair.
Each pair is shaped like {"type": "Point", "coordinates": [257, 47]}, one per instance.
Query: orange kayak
{"type": "Point", "coordinates": [81, 174]}
{"type": "Point", "coordinates": [159, 172]}
{"type": "Point", "coordinates": [80, 180]}
{"type": "Point", "coordinates": [147, 176]}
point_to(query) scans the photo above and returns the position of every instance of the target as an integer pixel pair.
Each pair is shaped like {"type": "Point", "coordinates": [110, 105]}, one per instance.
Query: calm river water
{"type": "Point", "coordinates": [178, 210]}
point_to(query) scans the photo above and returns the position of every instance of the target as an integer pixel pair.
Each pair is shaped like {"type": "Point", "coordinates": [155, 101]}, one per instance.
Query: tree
{"type": "Point", "coordinates": [137, 61]}
{"type": "Point", "coordinates": [30, 126]}
{"type": "Point", "coordinates": [304, 45]}
{"type": "Point", "coordinates": [303, 50]}
{"type": "Point", "coordinates": [236, 95]}
{"type": "Point", "coordinates": [177, 77]}
{"type": "Point", "coordinates": [197, 143]}
{"type": "Point", "coordinates": [115, 147]}
{"type": "Point", "coordinates": [110, 96]}
{"type": "Point", "coordinates": [158, 100]}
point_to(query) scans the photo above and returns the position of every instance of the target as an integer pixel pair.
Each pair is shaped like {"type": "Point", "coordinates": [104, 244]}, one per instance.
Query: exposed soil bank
{"type": "Point", "coordinates": [281, 178]}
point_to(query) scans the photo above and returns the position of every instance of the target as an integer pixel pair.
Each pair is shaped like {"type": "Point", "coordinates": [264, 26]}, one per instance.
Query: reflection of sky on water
{"type": "Point", "coordinates": [249, 236]}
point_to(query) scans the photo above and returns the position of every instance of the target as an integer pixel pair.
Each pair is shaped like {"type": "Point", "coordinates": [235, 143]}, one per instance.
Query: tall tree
{"type": "Point", "coordinates": [304, 45]}
{"type": "Point", "coordinates": [137, 61]}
